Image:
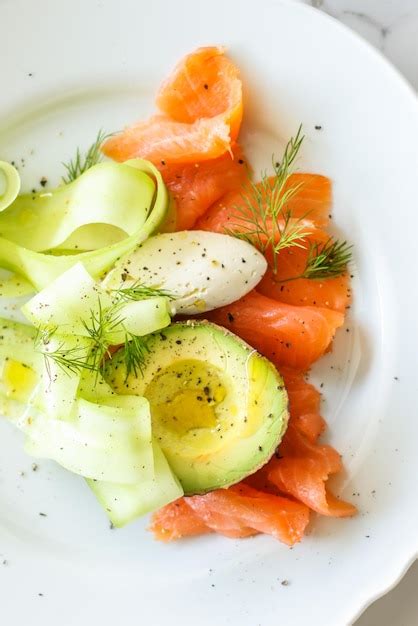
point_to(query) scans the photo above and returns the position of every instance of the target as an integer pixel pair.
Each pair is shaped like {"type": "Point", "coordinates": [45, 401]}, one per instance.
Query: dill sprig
{"type": "Point", "coordinates": [138, 291]}
{"type": "Point", "coordinates": [328, 260]}
{"type": "Point", "coordinates": [44, 335]}
{"type": "Point", "coordinates": [69, 360]}
{"type": "Point", "coordinates": [135, 347]}
{"type": "Point", "coordinates": [100, 326]}
{"type": "Point", "coordinates": [325, 260]}
{"type": "Point", "coordinates": [84, 161]}
{"type": "Point", "coordinates": [263, 219]}
{"type": "Point", "coordinates": [134, 354]}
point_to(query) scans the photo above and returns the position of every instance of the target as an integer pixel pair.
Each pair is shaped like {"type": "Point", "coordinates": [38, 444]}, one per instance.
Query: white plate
{"type": "Point", "coordinates": [69, 68]}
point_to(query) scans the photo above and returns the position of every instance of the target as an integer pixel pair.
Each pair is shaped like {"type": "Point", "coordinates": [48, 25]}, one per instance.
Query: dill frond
{"type": "Point", "coordinates": [84, 161]}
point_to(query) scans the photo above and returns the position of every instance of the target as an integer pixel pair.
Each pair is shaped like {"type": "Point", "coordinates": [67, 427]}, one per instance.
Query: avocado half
{"type": "Point", "coordinates": [219, 409]}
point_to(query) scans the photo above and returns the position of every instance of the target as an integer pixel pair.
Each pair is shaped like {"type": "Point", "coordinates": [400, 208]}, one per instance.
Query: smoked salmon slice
{"type": "Point", "coordinates": [264, 513]}
{"type": "Point", "coordinates": [303, 396]}
{"type": "Point", "coordinates": [292, 336]}
{"type": "Point", "coordinates": [312, 202]}
{"type": "Point", "coordinates": [203, 84]}
{"type": "Point", "coordinates": [304, 405]}
{"type": "Point", "coordinates": [300, 469]}
{"type": "Point", "coordinates": [196, 186]}
{"type": "Point", "coordinates": [162, 139]}
{"type": "Point", "coordinates": [305, 479]}
{"type": "Point", "coordinates": [201, 113]}
{"type": "Point", "coordinates": [239, 511]}
{"type": "Point", "coordinates": [313, 198]}
{"type": "Point", "coordinates": [312, 425]}
{"type": "Point", "coordinates": [331, 293]}
{"type": "Point", "coordinates": [303, 470]}
{"type": "Point", "coordinates": [177, 520]}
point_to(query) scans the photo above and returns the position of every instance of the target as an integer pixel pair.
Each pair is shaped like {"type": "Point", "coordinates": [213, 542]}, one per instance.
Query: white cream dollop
{"type": "Point", "coordinates": [200, 269]}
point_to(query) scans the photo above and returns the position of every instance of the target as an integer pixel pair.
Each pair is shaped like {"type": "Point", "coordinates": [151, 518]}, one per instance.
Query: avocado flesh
{"type": "Point", "coordinates": [219, 409]}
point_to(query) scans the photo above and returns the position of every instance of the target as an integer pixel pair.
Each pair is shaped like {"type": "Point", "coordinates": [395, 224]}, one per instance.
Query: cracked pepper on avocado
{"type": "Point", "coordinates": [174, 305]}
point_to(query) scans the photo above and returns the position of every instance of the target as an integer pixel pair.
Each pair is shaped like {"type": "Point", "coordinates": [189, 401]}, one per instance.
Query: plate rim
{"type": "Point", "coordinates": [380, 590]}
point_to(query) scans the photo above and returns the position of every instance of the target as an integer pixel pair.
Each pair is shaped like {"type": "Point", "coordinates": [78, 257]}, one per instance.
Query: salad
{"type": "Point", "coordinates": [173, 304]}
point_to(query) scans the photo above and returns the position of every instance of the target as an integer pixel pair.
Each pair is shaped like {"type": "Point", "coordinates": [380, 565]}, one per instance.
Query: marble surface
{"type": "Point", "coordinates": [389, 25]}
{"type": "Point", "coordinates": [392, 27]}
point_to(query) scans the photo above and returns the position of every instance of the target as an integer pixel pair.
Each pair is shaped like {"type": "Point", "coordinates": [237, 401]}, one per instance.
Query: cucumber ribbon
{"type": "Point", "coordinates": [107, 438]}
{"type": "Point", "coordinates": [59, 243]}
{"type": "Point", "coordinates": [73, 416]}
{"type": "Point", "coordinates": [77, 316]}
{"type": "Point", "coordinates": [101, 216]}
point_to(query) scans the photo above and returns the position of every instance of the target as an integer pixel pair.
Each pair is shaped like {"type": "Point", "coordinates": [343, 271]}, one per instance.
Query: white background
{"type": "Point", "coordinates": [392, 27]}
